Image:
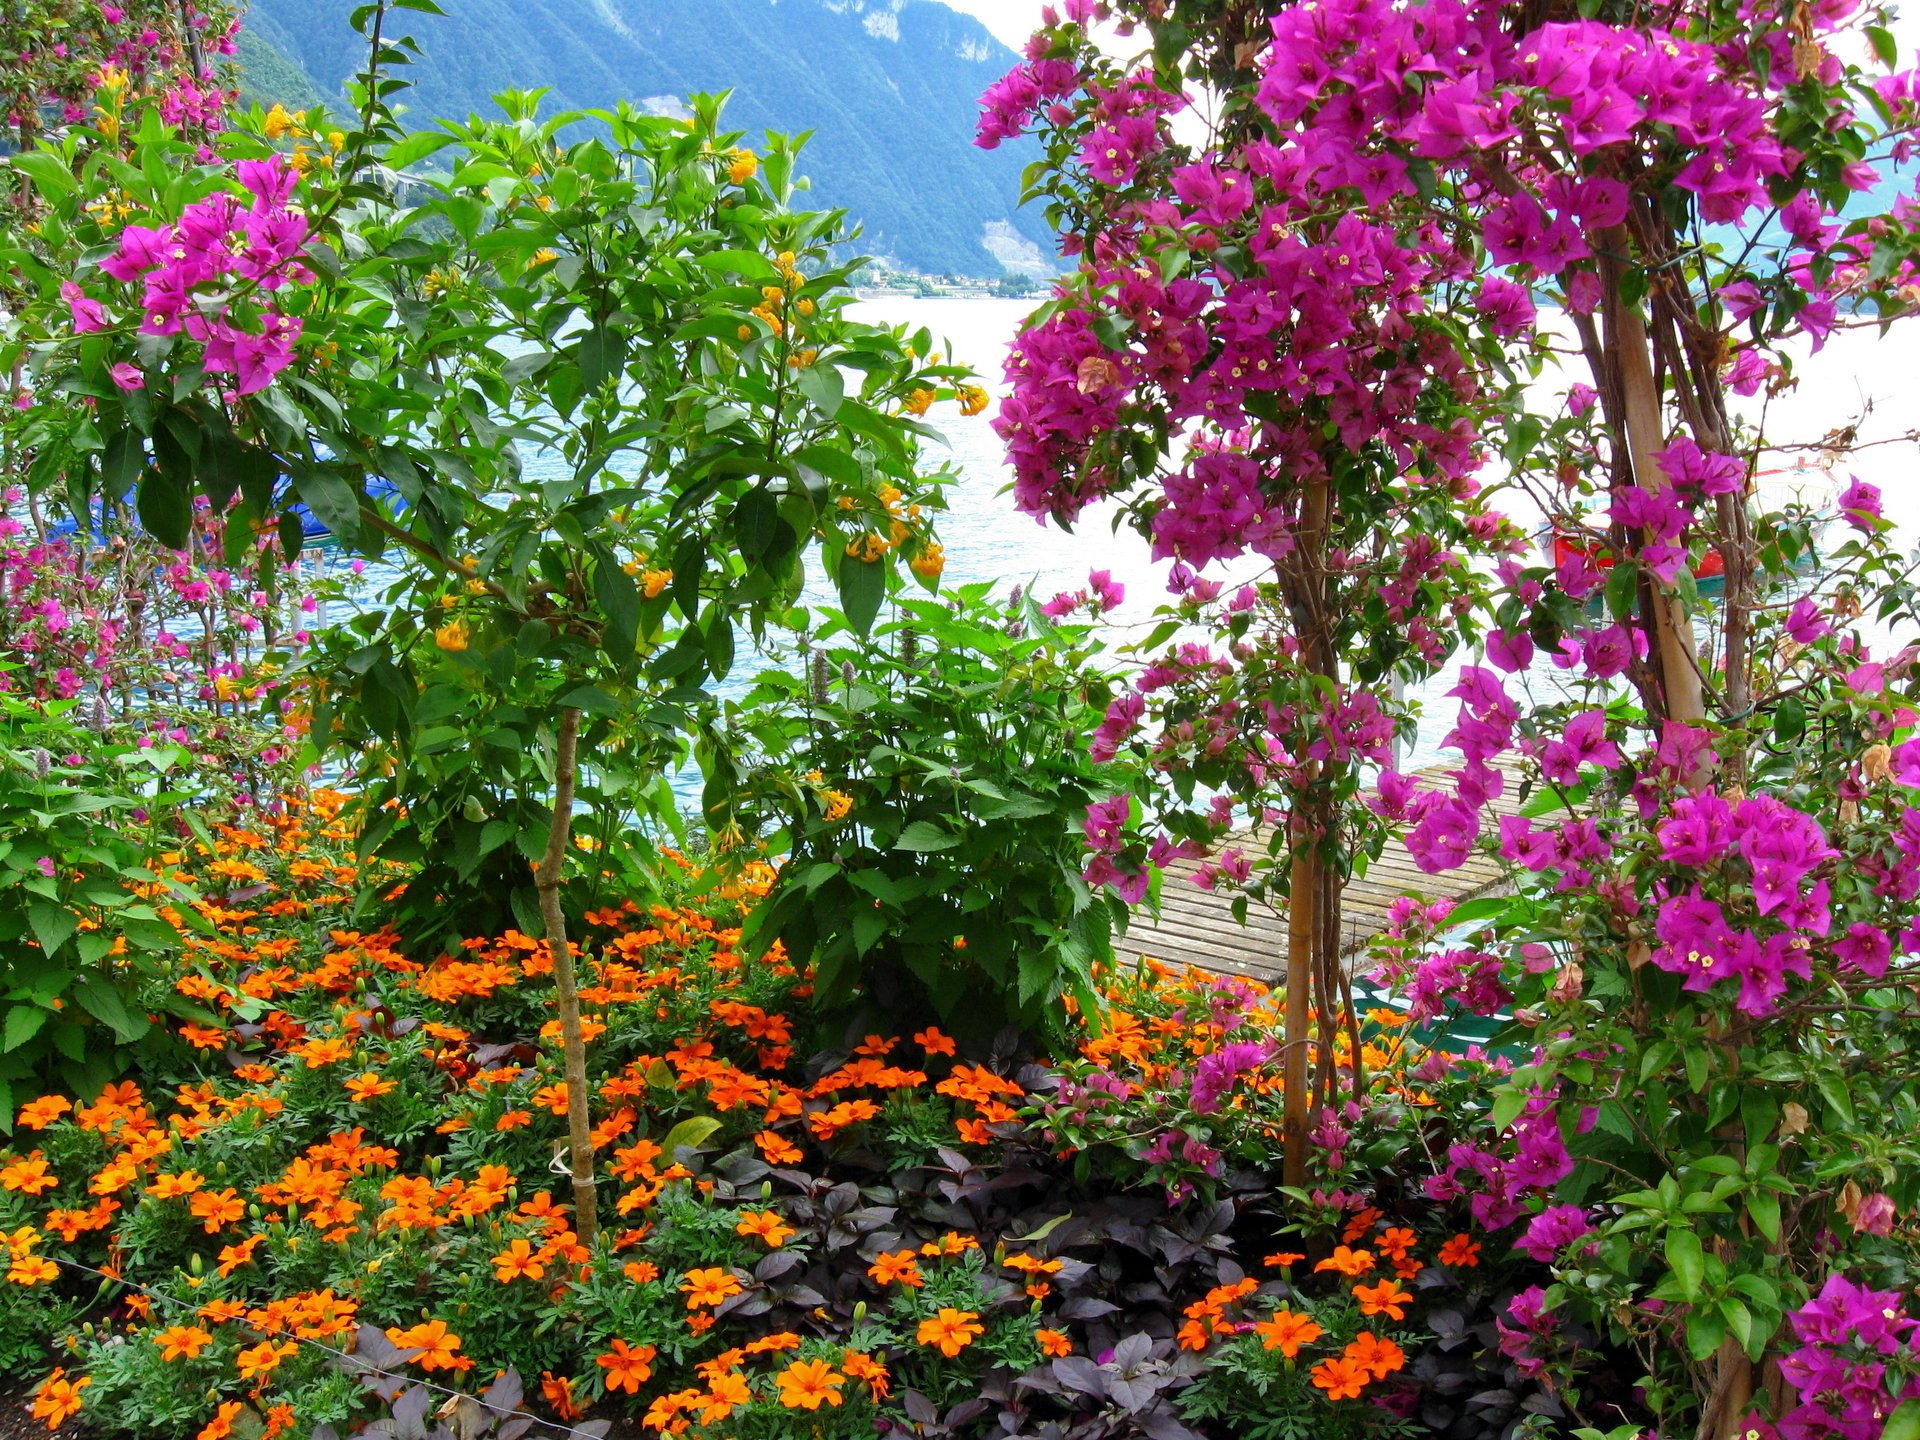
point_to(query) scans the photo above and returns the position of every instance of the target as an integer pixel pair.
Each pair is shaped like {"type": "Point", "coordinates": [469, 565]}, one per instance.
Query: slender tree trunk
{"type": "Point", "coordinates": [1303, 901]}
{"type": "Point", "coordinates": [586, 1209]}
{"type": "Point", "coordinates": [1682, 690]}
{"type": "Point", "coordinates": [1312, 892]}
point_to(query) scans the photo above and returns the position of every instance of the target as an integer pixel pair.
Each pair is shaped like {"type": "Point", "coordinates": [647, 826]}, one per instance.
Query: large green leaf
{"type": "Point", "coordinates": [862, 585]}
{"type": "Point", "coordinates": [924, 835]}
{"type": "Point", "coordinates": [53, 925]}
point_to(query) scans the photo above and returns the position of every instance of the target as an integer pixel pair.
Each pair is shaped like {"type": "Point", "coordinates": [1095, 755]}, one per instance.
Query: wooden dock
{"type": "Point", "coordinates": [1197, 927]}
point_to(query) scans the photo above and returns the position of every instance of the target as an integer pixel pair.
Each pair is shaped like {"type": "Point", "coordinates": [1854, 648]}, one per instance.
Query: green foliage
{"type": "Point", "coordinates": [931, 783]}
{"type": "Point", "coordinates": [80, 937]}
{"type": "Point", "coordinates": [649, 311]}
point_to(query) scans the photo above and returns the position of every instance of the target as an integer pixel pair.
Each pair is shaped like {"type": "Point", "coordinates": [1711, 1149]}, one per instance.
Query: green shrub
{"type": "Point", "coordinates": [930, 786]}
{"type": "Point", "coordinates": [80, 933]}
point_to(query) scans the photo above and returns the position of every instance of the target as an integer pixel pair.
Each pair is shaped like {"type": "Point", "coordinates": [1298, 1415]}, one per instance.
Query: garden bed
{"type": "Point", "coordinates": [867, 1230]}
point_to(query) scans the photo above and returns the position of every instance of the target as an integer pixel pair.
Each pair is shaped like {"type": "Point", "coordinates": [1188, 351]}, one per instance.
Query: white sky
{"type": "Point", "coordinates": [1012, 21]}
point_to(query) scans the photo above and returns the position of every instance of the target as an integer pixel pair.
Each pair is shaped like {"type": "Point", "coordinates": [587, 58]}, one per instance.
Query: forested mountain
{"type": "Point", "coordinates": [888, 88]}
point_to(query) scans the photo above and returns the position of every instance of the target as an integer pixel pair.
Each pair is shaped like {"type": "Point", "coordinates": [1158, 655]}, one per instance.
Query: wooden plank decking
{"type": "Point", "coordinates": [1197, 927]}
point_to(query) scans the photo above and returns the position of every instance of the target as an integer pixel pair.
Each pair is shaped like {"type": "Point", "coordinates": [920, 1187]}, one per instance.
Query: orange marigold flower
{"type": "Point", "coordinates": [951, 1330]}
{"type": "Point", "coordinates": [1378, 1355]}
{"type": "Point", "coordinates": [370, 1086]}
{"type": "Point", "coordinates": [897, 1267]}
{"type": "Point", "coordinates": [1053, 1342]}
{"type": "Point", "coordinates": [726, 1392]}
{"type": "Point", "coordinates": [628, 1367]}
{"type": "Point", "coordinates": [809, 1384]}
{"type": "Point", "coordinates": [765, 1225]}
{"type": "Point", "coordinates": [862, 1366]}
{"type": "Point", "coordinates": [518, 1259]}
{"type": "Point", "coordinates": [167, 1187]}
{"type": "Point", "coordinates": [28, 1175]}
{"type": "Point", "coordinates": [1385, 1298]}
{"type": "Point", "coordinates": [216, 1208]}
{"type": "Point", "coordinates": [770, 1344]}
{"type": "Point", "coordinates": [933, 1042]}
{"type": "Point", "coordinates": [221, 1426]}
{"type": "Point", "coordinates": [1283, 1260]}
{"type": "Point", "coordinates": [181, 1340]}
{"type": "Point", "coordinates": [1287, 1331]}
{"type": "Point", "coordinates": [38, 1114]}
{"type": "Point", "coordinates": [513, 1120]}
{"type": "Point", "coordinates": [1342, 1379]}
{"type": "Point", "coordinates": [1461, 1250]}
{"type": "Point", "coordinates": [32, 1270]}
{"type": "Point", "coordinates": [1360, 1224]}
{"type": "Point", "coordinates": [709, 1287]}
{"type": "Point", "coordinates": [56, 1400]}
{"type": "Point", "coordinates": [1350, 1263]}
{"type": "Point", "coordinates": [1396, 1242]}
{"type": "Point", "coordinates": [434, 1342]}
{"type": "Point", "coordinates": [262, 1359]}
{"type": "Point", "coordinates": [558, 1393]}
{"type": "Point", "coordinates": [776, 1148]}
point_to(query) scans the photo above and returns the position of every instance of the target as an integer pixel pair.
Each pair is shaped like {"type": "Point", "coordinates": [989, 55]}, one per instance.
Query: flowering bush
{"type": "Point", "coordinates": [929, 794]}
{"type": "Point", "coordinates": [88, 898]}
{"type": "Point", "coordinates": [162, 646]}
{"type": "Point", "coordinates": [884, 1234]}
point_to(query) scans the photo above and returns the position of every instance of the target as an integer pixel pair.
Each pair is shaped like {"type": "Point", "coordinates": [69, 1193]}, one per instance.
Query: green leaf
{"type": "Point", "coordinates": [619, 599]}
{"type": "Point", "coordinates": [122, 461]}
{"type": "Point", "coordinates": [824, 389]}
{"type": "Point", "coordinates": [1904, 1423]}
{"type": "Point", "coordinates": [53, 925]}
{"type": "Point", "coordinates": [602, 352]}
{"type": "Point", "coordinates": [1686, 1259]}
{"type": "Point", "coordinates": [692, 1133]}
{"type": "Point", "coordinates": [1507, 1105]}
{"type": "Point", "coordinates": [1834, 1089]}
{"type": "Point", "coordinates": [333, 501]}
{"type": "Point", "coordinates": [756, 267]}
{"type": "Point", "coordinates": [100, 1000]}
{"type": "Point", "coordinates": [755, 520]}
{"type": "Point", "coordinates": [46, 171]}
{"type": "Point", "coordinates": [924, 835]}
{"type": "Point", "coordinates": [23, 1023]}
{"type": "Point", "coordinates": [862, 585]}
{"type": "Point", "coordinates": [1764, 1207]}
{"type": "Point", "coordinates": [1037, 973]}
{"type": "Point", "coordinates": [415, 148]}
{"type": "Point", "coordinates": [165, 509]}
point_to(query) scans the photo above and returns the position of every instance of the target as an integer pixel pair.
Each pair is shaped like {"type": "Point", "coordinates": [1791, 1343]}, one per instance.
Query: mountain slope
{"type": "Point", "coordinates": [888, 88]}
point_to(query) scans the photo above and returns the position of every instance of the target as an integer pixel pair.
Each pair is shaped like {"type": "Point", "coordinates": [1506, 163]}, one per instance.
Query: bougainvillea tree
{"type": "Point", "coordinates": [1277, 215]}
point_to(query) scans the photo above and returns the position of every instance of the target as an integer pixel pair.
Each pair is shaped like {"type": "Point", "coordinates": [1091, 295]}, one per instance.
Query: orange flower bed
{"type": "Point", "coordinates": [358, 1154]}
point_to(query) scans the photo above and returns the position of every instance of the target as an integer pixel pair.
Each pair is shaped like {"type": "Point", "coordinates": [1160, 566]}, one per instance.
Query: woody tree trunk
{"type": "Point", "coordinates": [1313, 893]}
{"type": "Point", "coordinates": [1628, 347]}
{"type": "Point", "coordinates": [586, 1210]}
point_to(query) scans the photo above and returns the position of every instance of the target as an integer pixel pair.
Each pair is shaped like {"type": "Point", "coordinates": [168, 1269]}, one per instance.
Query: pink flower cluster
{"type": "Point", "coordinates": [186, 277]}
{"type": "Point", "coordinates": [1840, 1368]}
